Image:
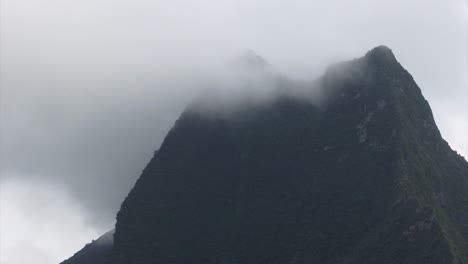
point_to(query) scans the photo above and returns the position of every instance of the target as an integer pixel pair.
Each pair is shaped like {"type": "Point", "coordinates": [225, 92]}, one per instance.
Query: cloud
{"type": "Point", "coordinates": [35, 221]}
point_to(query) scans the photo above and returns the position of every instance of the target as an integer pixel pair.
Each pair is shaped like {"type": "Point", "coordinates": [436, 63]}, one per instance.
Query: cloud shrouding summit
{"type": "Point", "coordinates": [90, 88]}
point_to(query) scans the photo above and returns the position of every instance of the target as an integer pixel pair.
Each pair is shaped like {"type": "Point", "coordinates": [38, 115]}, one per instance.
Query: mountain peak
{"type": "Point", "coordinates": [381, 48]}
{"type": "Point", "coordinates": [381, 53]}
{"type": "Point", "coordinates": [368, 179]}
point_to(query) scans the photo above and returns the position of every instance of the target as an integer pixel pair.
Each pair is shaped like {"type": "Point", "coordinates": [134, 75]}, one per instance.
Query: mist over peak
{"type": "Point", "coordinates": [250, 60]}
{"type": "Point", "coordinates": [252, 81]}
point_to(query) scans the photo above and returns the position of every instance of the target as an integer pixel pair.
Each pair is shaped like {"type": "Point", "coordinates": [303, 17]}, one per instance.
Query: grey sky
{"type": "Point", "coordinates": [89, 89]}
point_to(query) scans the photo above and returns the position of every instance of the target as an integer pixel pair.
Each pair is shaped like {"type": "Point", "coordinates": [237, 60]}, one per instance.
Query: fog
{"type": "Point", "coordinates": [90, 88]}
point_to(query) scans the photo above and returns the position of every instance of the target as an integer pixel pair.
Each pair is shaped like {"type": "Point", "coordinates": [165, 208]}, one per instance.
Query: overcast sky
{"type": "Point", "coordinates": [89, 89]}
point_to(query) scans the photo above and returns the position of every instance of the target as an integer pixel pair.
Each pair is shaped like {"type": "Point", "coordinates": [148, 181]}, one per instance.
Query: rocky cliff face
{"type": "Point", "coordinates": [364, 177]}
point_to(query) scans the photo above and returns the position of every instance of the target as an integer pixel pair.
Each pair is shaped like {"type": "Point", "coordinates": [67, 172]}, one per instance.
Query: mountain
{"type": "Point", "coordinates": [364, 176]}
{"type": "Point", "coordinates": [98, 251]}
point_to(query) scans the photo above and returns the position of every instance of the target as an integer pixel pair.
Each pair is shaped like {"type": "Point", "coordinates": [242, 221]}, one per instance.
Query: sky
{"type": "Point", "coordinates": [89, 89]}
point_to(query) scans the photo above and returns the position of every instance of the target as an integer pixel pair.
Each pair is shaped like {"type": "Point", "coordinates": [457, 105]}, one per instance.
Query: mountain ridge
{"type": "Point", "coordinates": [98, 251]}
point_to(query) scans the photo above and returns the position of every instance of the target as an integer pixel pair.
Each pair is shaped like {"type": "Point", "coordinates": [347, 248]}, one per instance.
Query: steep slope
{"type": "Point", "coordinates": [365, 179]}
{"type": "Point", "coordinates": [362, 177]}
{"type": "Point", "coordinates": [97, 251]}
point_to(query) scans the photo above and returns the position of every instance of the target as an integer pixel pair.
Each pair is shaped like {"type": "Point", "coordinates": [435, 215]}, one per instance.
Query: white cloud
{"type": "Point", "coordinates": [40, 223]}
